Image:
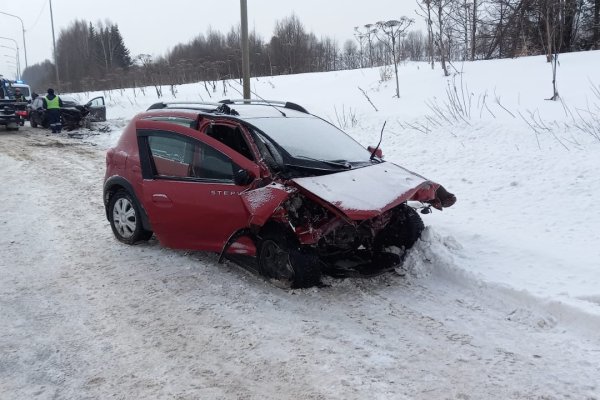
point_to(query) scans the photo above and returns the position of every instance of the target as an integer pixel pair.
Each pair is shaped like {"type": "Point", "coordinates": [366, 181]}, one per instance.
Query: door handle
{"type": "Point", "coordinates": [161, 199]}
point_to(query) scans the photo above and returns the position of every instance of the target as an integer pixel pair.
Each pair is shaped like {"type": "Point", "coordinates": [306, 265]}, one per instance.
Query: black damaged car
{"type": "Point", "coordinates": [73, 115]}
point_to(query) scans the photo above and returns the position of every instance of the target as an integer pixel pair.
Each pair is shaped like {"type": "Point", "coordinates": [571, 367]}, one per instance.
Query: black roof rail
{"type": "Point", "coordinates": [192, 105]}
{"type": "Point", "coordinates": [284, 104]}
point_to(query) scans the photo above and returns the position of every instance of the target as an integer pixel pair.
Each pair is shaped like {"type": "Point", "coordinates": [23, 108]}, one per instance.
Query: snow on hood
{"type": "Point", "coordinates": [364, 193]}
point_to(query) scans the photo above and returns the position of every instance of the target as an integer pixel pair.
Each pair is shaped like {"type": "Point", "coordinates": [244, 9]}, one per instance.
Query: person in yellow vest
{"type": "Point", "coordinates": [52, 105]}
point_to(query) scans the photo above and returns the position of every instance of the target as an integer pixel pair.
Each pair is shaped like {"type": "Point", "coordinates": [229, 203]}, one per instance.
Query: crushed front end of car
{"type": "Point", "coordinates": [355, 222]}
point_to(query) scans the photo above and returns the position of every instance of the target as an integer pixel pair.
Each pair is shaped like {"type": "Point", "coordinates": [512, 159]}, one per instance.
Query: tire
{"type": "Point", "coordinates": [126, 219]}
{"type": "Point", "coordinates": [33, 123]}
{"type": "Point", "coordinates": [283, 260]}
{"type": "Point", "coordinates": [404, 229]}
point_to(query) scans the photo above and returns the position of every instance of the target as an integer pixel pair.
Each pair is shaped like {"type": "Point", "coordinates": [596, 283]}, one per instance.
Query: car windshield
{"type": "Point", "coordinates": [24, 90]}
{"type": "Point", "coordinates": [312, 138]}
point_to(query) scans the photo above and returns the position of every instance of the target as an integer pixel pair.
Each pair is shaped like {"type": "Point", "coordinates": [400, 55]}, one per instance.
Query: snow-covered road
{"type": "Point", "coordinates": [83, 316]}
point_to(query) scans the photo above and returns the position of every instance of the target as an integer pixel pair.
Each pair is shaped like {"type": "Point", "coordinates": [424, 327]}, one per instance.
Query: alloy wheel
{"type": "Point", "coordinates": [124, 218]}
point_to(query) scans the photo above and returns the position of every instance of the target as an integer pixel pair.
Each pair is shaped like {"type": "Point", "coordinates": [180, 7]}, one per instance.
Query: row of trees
{"type": "Point", "coordinates": [94, 57]}
{"type": "Point", "coordinates": [88, 55]}
{"type": "Point", "coordinates": [485, 29]}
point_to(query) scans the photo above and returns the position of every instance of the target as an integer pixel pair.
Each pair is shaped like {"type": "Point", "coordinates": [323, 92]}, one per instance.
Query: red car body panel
{"type": "Point", "coordinates": [262, 202]}
{"type": "Point", "coordinates": [364, 193]}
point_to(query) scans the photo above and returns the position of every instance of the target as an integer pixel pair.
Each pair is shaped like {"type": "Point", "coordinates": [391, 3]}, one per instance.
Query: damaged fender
{"type": "Point", "coordinates": [261, 203]}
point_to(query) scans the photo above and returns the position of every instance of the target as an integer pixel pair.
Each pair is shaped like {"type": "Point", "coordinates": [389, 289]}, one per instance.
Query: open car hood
{"type": "Point", "coordinates": [364, 193]}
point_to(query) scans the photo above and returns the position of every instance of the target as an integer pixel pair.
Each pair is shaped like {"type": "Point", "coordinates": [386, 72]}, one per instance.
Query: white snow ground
{"type": "Point", "coordinates": [500, 298]}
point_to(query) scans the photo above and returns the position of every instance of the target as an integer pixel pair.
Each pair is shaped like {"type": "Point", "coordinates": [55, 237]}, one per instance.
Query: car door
{"type": "Point", "coordinates": [37, 111]}
{"type": "Point", "coordinates": [97, 109]}
{"type": "Point", "coordinates": [188, 188]}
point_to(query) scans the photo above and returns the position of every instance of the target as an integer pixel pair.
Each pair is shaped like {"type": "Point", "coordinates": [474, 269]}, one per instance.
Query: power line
{"type": "Point", "coordinates": [39, 16]}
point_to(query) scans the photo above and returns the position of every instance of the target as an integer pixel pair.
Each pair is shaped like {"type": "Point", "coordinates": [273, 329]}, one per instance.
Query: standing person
{"type": "Point", "coordinates": [53, 103]}
{"type": "Point", "coordinates": [19, 96]}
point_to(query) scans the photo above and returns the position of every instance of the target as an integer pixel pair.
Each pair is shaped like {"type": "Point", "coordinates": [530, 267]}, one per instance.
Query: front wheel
{"type": "Point", "coordinates": [404, 229]}
{"type": "Point", "coordinates": [125, 219]}
{"type": "Point", "coordinates": [288, 264]}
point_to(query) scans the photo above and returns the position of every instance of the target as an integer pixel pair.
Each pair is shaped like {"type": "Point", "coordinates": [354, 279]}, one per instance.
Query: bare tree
{"type": "Point", "coordinates": [440, 7]}
{"type": "Point", "coordinates": [351, 55]}
{"type": "Point", "coordinates": [370, 30]}
{"type": "Point", "coordinates": [596, 28]}
{"type": "Point", "coordinates": [425, 6]}
{"type": "Point", "coordinates": [474, 30]}
{"type": "Point", "coordinates": [393, 30]}
{"type": "Point", "coordinates": [360, 38]}
{"type": "Point", "coordinates": [552, 14]}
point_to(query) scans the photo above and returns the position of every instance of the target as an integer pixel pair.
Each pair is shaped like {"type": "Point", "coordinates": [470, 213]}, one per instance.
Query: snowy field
{"type": "Point", "coordinates": [499, 299]}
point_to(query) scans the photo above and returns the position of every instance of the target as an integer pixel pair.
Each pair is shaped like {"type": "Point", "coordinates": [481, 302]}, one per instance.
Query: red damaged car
{"type": "Point", "coordinates": [266, 184]}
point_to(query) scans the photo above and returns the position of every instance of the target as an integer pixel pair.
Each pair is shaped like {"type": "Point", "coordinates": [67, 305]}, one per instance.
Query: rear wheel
{"type": "Point", "coordinates": [125, 219]}
{"type": "Point", "coordinates": [282, 259]}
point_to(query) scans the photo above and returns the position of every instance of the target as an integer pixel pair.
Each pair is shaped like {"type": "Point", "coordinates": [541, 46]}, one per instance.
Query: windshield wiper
{"type": "Point", "coordinates": [340, 164]}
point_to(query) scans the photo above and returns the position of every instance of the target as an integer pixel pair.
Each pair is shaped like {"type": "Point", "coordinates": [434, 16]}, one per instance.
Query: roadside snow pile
{"type": "Point", "coordinates": [527, 316]}
{"type": "Point", "coordinates": [434, 254]}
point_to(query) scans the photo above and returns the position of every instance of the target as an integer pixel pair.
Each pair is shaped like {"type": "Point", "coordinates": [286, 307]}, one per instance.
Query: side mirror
{"type": "Point", "coordinates": [378, 153]}
{"type": "Point", "coordinates": [242, 177]}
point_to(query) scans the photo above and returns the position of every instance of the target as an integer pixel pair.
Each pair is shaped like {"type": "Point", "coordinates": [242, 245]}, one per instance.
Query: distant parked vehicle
{"type": "Point", "coordinates": [11, 111]}
{"type": "Point", "coordinates": [73, 115]}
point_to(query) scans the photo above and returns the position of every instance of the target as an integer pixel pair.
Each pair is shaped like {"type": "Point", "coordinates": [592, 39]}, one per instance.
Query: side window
{"type": "Point", "coordinates": [176, 156]}
{"type": "Point", "coordinates": [172, 156]}
{"type": "Point", "coordinates": [212, 164]}
{"type": "Point", "coordinates": [231, 137]}
{"type": "Point", "coordinates": [97, 102]}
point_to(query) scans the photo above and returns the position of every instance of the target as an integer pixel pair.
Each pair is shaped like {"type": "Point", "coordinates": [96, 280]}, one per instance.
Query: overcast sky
{"type": "Point", "coordinates": [155, 26]}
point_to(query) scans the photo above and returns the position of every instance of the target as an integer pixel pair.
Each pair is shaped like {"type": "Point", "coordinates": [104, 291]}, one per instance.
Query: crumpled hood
{"type": "Point", "coordinates": [364, 193]}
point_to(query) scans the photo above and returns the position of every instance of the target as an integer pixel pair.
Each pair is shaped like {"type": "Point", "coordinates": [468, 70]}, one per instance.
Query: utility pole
{"type": "Point", "coordinates": [54, 44]}
{"type": "Point", "coordinates": [23, 28]}
{"type": "Point", "coordinates": [245, 49]}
